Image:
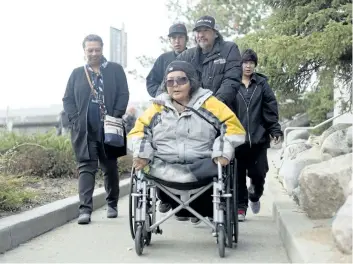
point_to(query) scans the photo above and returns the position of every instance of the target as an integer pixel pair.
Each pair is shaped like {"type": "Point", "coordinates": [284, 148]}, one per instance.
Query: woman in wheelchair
{"type": "Point", "coordinates": [180, 138]}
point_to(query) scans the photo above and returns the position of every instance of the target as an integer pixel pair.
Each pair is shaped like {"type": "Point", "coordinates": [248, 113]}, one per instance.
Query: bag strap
{"type": "Point", "coordinates": [94, 93]}
{"type": "Point", "coordinates": [200, 115]}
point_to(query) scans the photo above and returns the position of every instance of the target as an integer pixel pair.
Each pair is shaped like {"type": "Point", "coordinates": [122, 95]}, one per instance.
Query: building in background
{"type": "Point", "coordinates": [118, 46]}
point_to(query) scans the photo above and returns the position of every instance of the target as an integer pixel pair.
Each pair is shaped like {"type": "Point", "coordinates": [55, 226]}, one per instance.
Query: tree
{"type": "Point", "coordinates": [233, 17]}
{"type": "Point", "coordinates": [302, 41]}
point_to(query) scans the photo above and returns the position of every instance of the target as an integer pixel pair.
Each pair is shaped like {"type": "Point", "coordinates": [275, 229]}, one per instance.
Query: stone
{"type": "Point", "coordinates": [331, 130]}
{"type": "Point", "coordinates": [342, 227]}
{"type": "Point", "coordinates": [336, 144]}
{"type": "Point", "coordinates": [313, 140]}
{"type": "Point", "coordinates": [297, 134]}
{"type": "Point", "coordinates": [349, 137]}
{"type": "Point", "coordinates": [322, 186]}
{"type": "Point", "coordinates": [296, 194]}
{"type": "Point", "coordinates": [291, 169]}
{"type": "Point", "coordinates": [291, 151]}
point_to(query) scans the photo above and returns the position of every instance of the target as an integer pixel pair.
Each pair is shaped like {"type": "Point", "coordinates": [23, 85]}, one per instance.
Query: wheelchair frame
{"type": "Point", "coordinates": [143, 203]}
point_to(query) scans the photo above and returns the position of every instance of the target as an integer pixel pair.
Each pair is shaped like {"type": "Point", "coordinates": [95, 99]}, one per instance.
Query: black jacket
{"type": "Point", "coordinates": [156, 75]}
{"type": "Point", "coordinates": [221, 70]}
{"type": "Point", "coordinates": [76, 101]}
{"type": "Point", "coordinates": [260, 116]}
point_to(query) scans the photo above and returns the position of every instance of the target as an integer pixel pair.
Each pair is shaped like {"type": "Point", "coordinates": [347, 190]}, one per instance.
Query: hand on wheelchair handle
{"type": "Point", "coordinates": [139, 163]}
{"type": "Point", "coordinates": [223, 161]}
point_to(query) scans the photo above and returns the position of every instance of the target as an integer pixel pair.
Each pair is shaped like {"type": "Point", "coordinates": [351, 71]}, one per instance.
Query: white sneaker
{"type": "Point", "coordinates": [255, 207]}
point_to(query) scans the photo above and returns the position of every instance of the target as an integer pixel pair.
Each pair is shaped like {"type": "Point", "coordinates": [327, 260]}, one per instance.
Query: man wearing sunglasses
{"type": "Point", "coordinates": [178, 39]}
{"type": "Point", "coordinates": [218, 62]}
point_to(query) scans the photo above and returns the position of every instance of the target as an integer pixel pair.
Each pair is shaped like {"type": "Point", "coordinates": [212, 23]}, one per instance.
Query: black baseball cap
{"type": "Point", "coordinates": [205, 21]}
{"type": "Point", "coordinates": [177, 29]}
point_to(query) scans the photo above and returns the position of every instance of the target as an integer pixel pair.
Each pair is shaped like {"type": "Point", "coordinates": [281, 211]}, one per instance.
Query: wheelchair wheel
{"type": "Point", "coordinates": [235, 203]}
{"type": "Point", "coordinates": [148, 235]}
{"type": "Point", "coordinates": [229, 213]}
{"type": "Point", "coordinates": [139, 240]}
{"type": "Point", "coordinates": [132, 207]}
{"type": "Point", "coordinates": [221, 239]}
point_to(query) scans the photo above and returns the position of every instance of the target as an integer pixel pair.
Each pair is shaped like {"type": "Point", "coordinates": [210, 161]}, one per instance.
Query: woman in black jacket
{"type": "Point", "coordinates": [86, 114]}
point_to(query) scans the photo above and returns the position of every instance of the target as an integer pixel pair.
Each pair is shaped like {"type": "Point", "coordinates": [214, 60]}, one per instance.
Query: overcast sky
{"type": "Point", "coordinates": [41, 43]}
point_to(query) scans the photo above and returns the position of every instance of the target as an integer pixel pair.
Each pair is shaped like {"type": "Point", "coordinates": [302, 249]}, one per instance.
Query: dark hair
{"type": "Point", "coordinates": [92, 37]}
{"type": "Point", "coordinates": [249, 55]}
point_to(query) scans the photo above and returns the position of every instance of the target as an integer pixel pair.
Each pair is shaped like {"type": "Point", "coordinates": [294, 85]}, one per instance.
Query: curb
{"type": "Point", "coordinates": [17, 229]}
{"type": "Point", "coordinates": [299, 234]}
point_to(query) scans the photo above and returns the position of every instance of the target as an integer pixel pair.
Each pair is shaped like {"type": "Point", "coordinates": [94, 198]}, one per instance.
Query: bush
{"type": "Point", "coordinates": [43, 155]}
{"type": "Point", "coordinates": [12, 193]}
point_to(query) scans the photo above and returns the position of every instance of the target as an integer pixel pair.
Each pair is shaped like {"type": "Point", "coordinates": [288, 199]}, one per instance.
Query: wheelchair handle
{"type": "Point", "coordinates": [219, 168]}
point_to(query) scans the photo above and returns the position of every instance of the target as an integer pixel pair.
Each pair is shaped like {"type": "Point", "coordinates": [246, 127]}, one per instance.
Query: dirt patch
{"type": "Point", "coordinates": [44, 191]}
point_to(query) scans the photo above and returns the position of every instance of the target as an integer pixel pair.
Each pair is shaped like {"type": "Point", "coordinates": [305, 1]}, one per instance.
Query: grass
{"type": "Point", "coordinates": [13, 194]}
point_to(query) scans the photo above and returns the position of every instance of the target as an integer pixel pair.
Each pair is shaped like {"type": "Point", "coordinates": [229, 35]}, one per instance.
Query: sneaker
{"type": "Point", "coordinates": [195, 220]}
{"type": "Point", "coordinates": [241, 215]}
{"type": "Point", "coordinates": [182, 218]}
{"type": "Point", "coordinates": [255, 207]}
{"type": "Point", "coordinates": [164, 207]}
{"type": "Point", "coordinates": [112, 212]}
{"type": "Point", "coordinates": [84, 219]}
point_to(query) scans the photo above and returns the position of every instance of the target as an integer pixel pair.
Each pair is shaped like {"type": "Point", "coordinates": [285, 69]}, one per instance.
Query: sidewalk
{"type": "Point", "coordinates": [109, 240]}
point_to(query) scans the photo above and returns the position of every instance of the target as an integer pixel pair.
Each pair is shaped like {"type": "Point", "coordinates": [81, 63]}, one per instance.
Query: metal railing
{"type": "Point", "coordinates": [308, 128]}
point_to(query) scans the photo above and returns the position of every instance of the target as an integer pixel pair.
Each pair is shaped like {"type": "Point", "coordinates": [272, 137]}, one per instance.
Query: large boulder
{"type": "Point", "coordinates": [322, 186]}
{"type": "Point", "coordinates": [291, 169]}
{"type": "Point", "coordinates": [297, 134]}
{"type": "Point", "coordinates": [336, 144]}
{"type": "Point", "coordinates": [333, 129]}
{"type": "Point", "coordinates": [342, 227]}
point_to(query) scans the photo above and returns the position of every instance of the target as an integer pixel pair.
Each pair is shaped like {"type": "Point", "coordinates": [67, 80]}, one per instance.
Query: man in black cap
{"type": "Point", "coordinates": [178, 38]}
{"type": "Point", "coordinates": [218, 62]}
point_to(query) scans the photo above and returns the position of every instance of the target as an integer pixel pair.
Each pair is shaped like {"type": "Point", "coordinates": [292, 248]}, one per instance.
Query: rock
{"type": "Point", "coordinates": [297, 134]}
{"type": "Point", "coordinates": [299, 120]}
{"type": "Point", "coordinates": [349, 137]}
{"type": "Point", "coordinates": [291, 151]}
{"type": "Point", "coordinates": [313, 141]}
{"type": "Point", "coordinates": [347, 190]}
{"type": "Point", "coordinates": [336, 144]}
{"type": "Point", "coordinates": [291, 169]}
{"type": "Point", "coordinates": [322, 186]}
{"type": "Point", "coordinates": [331, 130]}
{"type": "Point", "coordinates": [342, 227]}
{"type": "Point", "coordinates": [295, 194]}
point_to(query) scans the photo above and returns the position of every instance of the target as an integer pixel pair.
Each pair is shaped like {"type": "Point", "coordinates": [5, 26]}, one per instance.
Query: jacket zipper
{"type": "Point", "coordinates": [247, 112]}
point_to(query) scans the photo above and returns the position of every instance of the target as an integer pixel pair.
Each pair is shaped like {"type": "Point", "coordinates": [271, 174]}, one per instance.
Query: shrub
{"type": "Point", "coordinates": [43, 155]}
{"type": "Point", "coordinates": [12, 193]}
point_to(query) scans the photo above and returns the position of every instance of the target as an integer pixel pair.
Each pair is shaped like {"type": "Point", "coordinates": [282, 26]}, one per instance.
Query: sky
{"type": "Point", "coordinates": [41, 43]}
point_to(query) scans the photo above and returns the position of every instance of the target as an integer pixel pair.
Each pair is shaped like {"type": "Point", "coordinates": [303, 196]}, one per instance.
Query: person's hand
{"type": "Point", "coordinates": [276, 139]}
{"type": "Point", "coordinates": [223, 161]}
{"type": "Point", "coordinates": [139, 163]}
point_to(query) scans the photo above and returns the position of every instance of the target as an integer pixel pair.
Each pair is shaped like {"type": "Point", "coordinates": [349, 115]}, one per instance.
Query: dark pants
{"type": "Point", "coordinates": [87, 173]}
{"type": "Point", "coordinates": [253, 163]}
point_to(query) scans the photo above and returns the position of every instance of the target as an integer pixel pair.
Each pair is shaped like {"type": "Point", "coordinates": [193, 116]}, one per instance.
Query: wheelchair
{"type": "Point", "coordinates": [143, 204]}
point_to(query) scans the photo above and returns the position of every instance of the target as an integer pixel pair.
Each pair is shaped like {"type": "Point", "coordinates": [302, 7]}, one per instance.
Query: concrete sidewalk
{"type": "Point", "coordinates": [109, 240]}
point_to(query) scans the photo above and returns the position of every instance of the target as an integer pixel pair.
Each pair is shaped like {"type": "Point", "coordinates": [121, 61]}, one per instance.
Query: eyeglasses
{"type": "Point", "coordinates": [177, 80]}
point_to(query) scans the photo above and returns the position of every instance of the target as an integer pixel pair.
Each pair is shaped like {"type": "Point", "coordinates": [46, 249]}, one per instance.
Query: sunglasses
{"type": "Point", "coordinates": [177, 80]}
